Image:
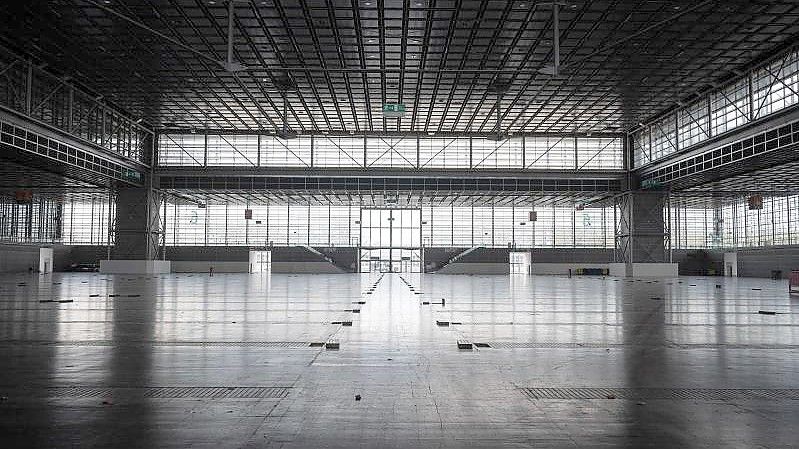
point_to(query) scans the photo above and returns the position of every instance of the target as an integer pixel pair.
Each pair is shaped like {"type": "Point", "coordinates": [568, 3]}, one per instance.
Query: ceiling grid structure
{"type": "Point", "coordinates": [337, 62]}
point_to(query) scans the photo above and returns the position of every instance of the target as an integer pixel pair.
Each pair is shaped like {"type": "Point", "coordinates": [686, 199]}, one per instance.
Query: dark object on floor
{"type": "Point", "coordinates": [66, 300]}
{"type": "Point", "coordinates": [766, 312]}
{"type": "Point", "coordinates": [442, 323]}
{"type": "Point", "coordinates": [357, 397]}
{"type": "Point", "coordinates": [464, 344]}
{"type": "Point", "coordinates": [83, 268]}
{"type": "Point", "coordinates": [46, 300]}
{"type": "Point", "coordinates": [718, 285]}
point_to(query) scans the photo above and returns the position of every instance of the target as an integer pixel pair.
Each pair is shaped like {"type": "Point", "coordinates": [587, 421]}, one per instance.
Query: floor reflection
{"type": "Point", "coordinates": [132, 334]}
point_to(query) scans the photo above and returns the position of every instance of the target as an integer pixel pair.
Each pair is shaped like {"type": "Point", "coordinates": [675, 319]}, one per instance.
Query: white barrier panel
{"type": "Point", "coordinates": [135, 266]}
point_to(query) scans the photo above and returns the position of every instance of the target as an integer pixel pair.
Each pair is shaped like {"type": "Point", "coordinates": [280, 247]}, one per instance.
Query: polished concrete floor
{"type": "Point", "coordinates": [238, 361]}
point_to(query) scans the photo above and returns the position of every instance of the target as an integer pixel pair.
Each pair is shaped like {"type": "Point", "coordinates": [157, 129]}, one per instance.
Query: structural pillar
{"type": "Point", "coordinates": [137, 224]}
{"type": "Point", "coordinates": [643, 232]}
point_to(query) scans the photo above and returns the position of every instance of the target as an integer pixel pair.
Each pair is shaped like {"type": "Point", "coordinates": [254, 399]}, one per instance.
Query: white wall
{"type": "Point", "coordinates": [15, 258]}
{"type": "Point", "coordinates": [660, 270]}
{"type": "Point", "coordinates": [476, 268]}
{"type": "Point", "coordinates": [183, 266]}
{"type": "Point", "coordinates": [731, 264]}
{"type": "Point", "coordinates": [45, 260]}
{"type": "Point", "coordinates": [204, 266]}
{"type": "Point", "coordinates": [134, 266]}
{"type": "Point", "coordinates": [305, 267]}
{"type": "Point", "coordinates": [563, 268]}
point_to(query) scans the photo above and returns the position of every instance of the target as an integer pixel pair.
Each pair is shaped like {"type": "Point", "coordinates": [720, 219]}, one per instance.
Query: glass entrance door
{"type": "Point", "coordinates": [260, 261]}
{"type": "Point", "coordinates": [520, 262]}
{"type": "Point", "coordinates": [391, 260]}
{"type": "Point", "coordinates": [391, 240]}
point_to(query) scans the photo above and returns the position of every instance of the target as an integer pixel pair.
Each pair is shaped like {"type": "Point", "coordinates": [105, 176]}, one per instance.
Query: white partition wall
{"type": "Point", "coordinates": [45, 260]}
{"type": "Point", "coordinates": [260, 261]}
{"type": "Point", "coordinates": [520, 262]}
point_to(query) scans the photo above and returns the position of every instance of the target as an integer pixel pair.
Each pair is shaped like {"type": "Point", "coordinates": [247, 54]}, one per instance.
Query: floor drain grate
{"type": "Point", "coordinates": [707, 394]}
{"type": "Point", "coordinates": [555, 345]}
{"type": "Point", "coordinates": [561, 345]}
{"type": "Point", "coordinates": [171, 392]}
{"type": "Point", "coordinates": [78, 392]}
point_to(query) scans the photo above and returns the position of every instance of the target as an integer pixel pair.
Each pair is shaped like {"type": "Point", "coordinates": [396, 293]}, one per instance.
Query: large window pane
{"type": "Point", "coordinates": [775, 86]}
{"type": "Point", "coordinates": [397, 152]}
{"type": "Point", "coordinates": [487, 153]}
{"type": "Point", "coordinates": [664, 137]}
{"type": "Point", "coordinates": [181, 150]}
{"type": "Point", "coordinates": [729, 107]}
{"type": "Point", "coordinates": [595, 153]}
{"type": "Point", "coordinates": [444, 153]}
{"type": "Point", "coordinates": [692, 124]}
{"type": "Point", "coordinates": [232, 150]}
{"type": "Point", "coordinates": [556, 152]}
{"type": "Point", "coordinates": [338, 151]}
{"type": "Point", "coordinates": [277, 152]}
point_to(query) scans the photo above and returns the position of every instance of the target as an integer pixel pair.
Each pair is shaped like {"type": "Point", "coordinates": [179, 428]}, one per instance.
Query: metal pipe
{"type": "Point", "coordinates": [230, 16]}
{"type": "Point", "coordinates": [556, 36]}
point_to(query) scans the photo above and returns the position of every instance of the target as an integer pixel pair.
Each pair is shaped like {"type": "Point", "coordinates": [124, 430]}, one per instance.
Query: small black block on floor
{"type": "Point", "coordinates": [464, 344]}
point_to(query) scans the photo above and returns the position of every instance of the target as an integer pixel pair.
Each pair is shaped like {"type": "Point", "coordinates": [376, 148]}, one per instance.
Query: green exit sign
{"type": "Point", "coordinates": [131, 175]}
{"type": "Point", "coordinates": [393, 109]}
{"type": "Point", "coordinates": [651, 184]}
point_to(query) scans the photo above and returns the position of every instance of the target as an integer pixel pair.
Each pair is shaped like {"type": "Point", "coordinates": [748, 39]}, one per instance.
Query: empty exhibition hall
{"type": "Point", "coordinates": [241, 224]}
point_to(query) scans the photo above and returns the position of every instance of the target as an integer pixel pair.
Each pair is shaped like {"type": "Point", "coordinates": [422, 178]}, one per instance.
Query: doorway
{"type": "Point", "coordinates": [391, 241]}
{"type": "Point", "coordinates": [45, 260]}
{"type": "Point", "coordinates": [260, 261]}
{"type": "Point", "coordinates": [731, 264]}
{"type": "Point", "coordinates": [391, 260]}
{"type": "Point", "coordinates": [520, 262]}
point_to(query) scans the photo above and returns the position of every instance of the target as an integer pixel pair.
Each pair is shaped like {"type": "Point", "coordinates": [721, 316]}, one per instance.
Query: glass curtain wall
{"type": "Point", "coordinates": [733, 224]}
{"type": "Point", "coordinates": [343, 225]}
{"type": "Point", "coordinates": [764, 91]}
{"type": "Point", "coordinates": [77, 220]}
{"type": "Point", "coordinates": [404, 153]}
